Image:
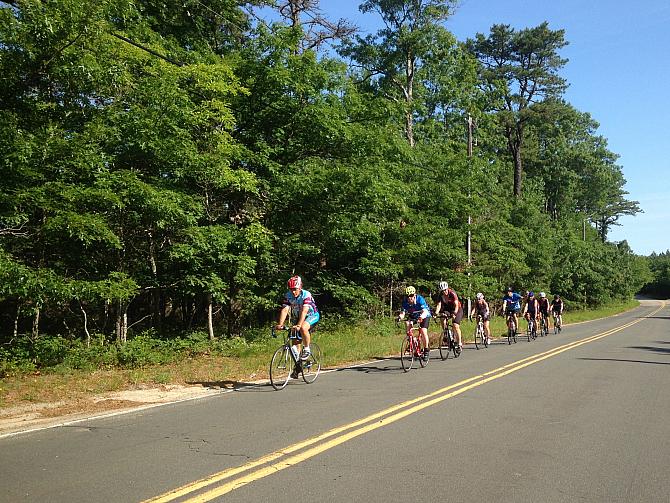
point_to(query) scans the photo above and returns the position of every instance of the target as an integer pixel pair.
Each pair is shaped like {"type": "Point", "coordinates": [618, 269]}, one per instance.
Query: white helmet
{"type": "Point", "coordinates": [442, 286]}
{"type": "Point", "coordinates": [543, 295]}
{"type": "Point", "coordinates": [480, 296]}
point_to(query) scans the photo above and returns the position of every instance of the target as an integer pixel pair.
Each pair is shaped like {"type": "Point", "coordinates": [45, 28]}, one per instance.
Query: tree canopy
{"type": "Point", "coordinates": [168, 165]}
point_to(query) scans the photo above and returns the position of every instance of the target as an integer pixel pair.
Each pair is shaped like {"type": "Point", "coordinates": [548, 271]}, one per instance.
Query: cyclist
{"type": "Point", "coordinates": [447, 300]}
{"type": "Point", "coordinates": [512, 305]}
{"type": "Point", "coordinates": [543, 307]}
{"type": "Point", "coordinates": [302, 307]}
{"type": "Point", "coordinates": [481, 308]}
{"type": "Point", "coordinates": [557, 310]}
{"type": "Point", "coordinates": [416, 307]}
{"type": "Point", "coordinates": [530, 309]}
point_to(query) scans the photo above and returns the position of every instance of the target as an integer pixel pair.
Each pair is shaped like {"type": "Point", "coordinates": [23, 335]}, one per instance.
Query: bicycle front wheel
{"type": "Point", "coordinates": [423, 361]}
{"type": "Point", "coordinates": [444, 346]}
{"type": "Point", "coordinates": [312, 365]}
{"type": "Point", "coordinates": [406, 354]}
{"type": "Point", "coordinates": [281, 367]}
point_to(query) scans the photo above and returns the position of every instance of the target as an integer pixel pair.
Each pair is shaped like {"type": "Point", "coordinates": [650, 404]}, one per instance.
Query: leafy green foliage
{"type": "Point", "coordinates": [164, 162]}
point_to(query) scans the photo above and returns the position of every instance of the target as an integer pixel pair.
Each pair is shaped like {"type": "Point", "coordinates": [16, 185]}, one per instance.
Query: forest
{"type": "Point", "coordinates": [167, 165]}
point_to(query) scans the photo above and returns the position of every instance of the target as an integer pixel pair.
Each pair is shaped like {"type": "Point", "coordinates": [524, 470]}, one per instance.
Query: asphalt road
{"type": "Point", "coordinates": [579, 416]}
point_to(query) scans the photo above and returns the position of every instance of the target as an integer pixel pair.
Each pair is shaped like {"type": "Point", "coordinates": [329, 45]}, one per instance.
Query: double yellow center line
{"type": "Point", "coordinates": [301, 451]}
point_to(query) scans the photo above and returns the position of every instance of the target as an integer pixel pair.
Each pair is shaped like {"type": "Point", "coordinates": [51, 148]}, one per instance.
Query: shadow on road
{"type": "Point", "coordinates": [622, 360]}
{"type": "Point", "coordinates": [230, 385]}
{"type": "Point", "coordinates": [653, 349]}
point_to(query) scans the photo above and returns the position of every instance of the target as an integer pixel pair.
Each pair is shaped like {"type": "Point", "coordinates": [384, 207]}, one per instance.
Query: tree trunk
{"type": "Point", "coordinates": [88, 335]}
{"type": "Point", "coordinates": [122, 323]}
{"type": "Point", "coordinates": [16, 318]}
{"type": "Point", "coordinates": [36, 323]}
{"type": "Point", "coordinates": [210, 315]}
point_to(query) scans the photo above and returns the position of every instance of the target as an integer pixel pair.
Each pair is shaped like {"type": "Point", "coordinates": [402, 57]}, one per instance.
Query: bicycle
{"type": "Point", "coordinates": [531, 331]}
{"type": "Point", "coordinates": [447, 340]}
{"type": "Point", "coordinates": [558, 322]}
{"type": "Point", "coordinates": [480, 334]}
{"type": "Point", "coordinates": [286, 359]}
{"type": "Point", "coordinates": [544, 325]}
{"type": "Point", "coordinates": [511, 328]}
{"type": "Point", "coordinates": [412, 347]}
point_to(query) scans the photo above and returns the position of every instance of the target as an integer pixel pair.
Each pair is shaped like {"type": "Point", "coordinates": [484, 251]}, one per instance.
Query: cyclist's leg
{"type": "Point", "coordinates": [305, 328]}
{"type": "Point", "coordinates": [457, 326]}
{"type": "Point", "coordinates": [424, 334]}
{"type": "Point", "coordinates": [487, 330]}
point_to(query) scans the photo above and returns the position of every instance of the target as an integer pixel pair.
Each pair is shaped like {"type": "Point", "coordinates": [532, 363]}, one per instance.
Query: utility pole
{"type": "Point", "coordinates": [469, 240]}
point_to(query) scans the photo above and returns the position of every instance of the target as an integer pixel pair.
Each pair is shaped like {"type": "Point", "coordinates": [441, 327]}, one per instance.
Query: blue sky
{"type": "Point", "coordinates": [619, 72]}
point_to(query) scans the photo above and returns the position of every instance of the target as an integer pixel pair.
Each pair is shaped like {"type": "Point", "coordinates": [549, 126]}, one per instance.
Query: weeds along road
{"type": "Point", "coordinates": [577, 416]}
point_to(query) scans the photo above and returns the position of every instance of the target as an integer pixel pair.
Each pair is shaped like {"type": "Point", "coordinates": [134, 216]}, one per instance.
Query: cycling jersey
{"type": "Point", "coordinates": [531, 307]}
{"type": "Point", "coordinates": [543, 305]}
{"type": "Point", "coordinates": [482, 309]}
{"type": "Point", "coordinates": [296, 303]}
{"type": "Point", "coordinates": [449, 301]}
{"type": "Point", "coordinates": [418, 309]}
{"type": "Point", "coordinates": [557, 306]}
{"type": "Point", "coordinates": [513, 302]}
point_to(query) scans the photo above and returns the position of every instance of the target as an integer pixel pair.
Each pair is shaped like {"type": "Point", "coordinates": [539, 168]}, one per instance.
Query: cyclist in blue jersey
{"type": "Point", "coordinates": [302, 307]}
{"type": "Point", "coordinates": [512, 304]}
{"type": "Point", "coordinates": [416, 308]}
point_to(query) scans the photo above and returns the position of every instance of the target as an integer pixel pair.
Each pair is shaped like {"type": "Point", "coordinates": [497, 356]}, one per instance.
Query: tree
{"type": "Point", "coordinates": [392, 57]}
{"type": "Point", "coordinates": [519, 69]}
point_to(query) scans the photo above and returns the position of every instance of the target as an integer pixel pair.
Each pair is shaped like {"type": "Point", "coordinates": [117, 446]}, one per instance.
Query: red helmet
{"type": "Point", "coordinates": [294, 282]}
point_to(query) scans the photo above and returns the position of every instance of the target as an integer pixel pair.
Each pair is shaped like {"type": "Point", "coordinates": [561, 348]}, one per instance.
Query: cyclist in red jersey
{"type": "Point", "coordinates": [447, 301]}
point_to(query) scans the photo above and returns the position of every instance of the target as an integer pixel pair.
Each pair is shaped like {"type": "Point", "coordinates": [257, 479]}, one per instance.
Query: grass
{"type": "Point", "coordinates": [239, 362]}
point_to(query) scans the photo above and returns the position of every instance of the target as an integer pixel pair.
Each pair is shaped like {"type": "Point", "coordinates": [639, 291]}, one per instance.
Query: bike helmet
{"type": "Point", "coordinates": [556, 297]}
{"type": "Point", "coordinates": [294, 282]}
{"type": "Point", "coordinates": [531, 294]}
{"type": "Point", "coordinates": [543, 295]}
{"type": "Point", "coordinates": [509, 289]}
{"type": "Point", "coordinates": [410, 290]}
{"type": "Point", "coordinates": [442, 286]}
{"type": "Point", "coordinates": [480, 296]}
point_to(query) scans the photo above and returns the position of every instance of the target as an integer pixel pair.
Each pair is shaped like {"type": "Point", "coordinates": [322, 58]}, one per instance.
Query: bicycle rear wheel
{"type": "Point", "coordinates": [312, 365]}
{"type": "Point", "coordinates": [478, 337]}
{"type": "Point", "coordinates": [281, 367]}
{"type": "Point", "coordinates": [407, 354]}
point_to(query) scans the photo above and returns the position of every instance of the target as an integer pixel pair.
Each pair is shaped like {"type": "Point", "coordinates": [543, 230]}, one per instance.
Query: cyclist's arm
{"type": "Point", "coordinates": [283, 313]}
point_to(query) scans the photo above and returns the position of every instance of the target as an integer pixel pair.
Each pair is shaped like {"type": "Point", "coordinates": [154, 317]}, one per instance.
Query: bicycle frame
{"type": "Point", "coordinates": [448, 334]}
{"type": "Point", "coordinates": [480, 333]}
{"type": "Point", "coordinates": [411, 346]}
{"type": "Point", "coordinates": [511, 327]}
{"type": "Point", "coordinates": [285, 360]}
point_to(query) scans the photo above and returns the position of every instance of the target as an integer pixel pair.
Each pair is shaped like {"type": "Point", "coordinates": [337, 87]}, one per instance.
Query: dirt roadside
{"type": "Point", "coordinates": [44, 415]}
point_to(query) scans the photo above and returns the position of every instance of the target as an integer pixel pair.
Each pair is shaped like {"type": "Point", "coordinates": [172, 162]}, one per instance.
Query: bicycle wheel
{"type": "Point", "coordinates": [478, 337]}
{"type": "Point", "coordinates": [312, 365]}
{"type": "Point", "coordinates": [281, 367]}
{"type": "Point", "coordinates": [406, 354]}
{"type": "Point", "coordinates": [444, 345]}
{"type": "Point", "coordinates": [423, 362]}
{"type": "Point", "coordinates": [510, 332]}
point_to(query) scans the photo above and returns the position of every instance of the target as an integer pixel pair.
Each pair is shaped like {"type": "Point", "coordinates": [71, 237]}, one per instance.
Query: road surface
{"type": "Point", "coordinates": [579, 416]}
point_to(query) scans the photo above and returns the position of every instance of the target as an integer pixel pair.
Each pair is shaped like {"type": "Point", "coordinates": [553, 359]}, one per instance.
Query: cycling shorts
{"type": "Point", "coordinates": [313, 318]}
{"type": "Point", "coordinates": [485, 316]}
{"type": "Point", "coordinates": [458, 317]}
{"type": "Point", "coordinates": [423, 324]}
{"type": "Point", "coordinates": [511, 310]}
